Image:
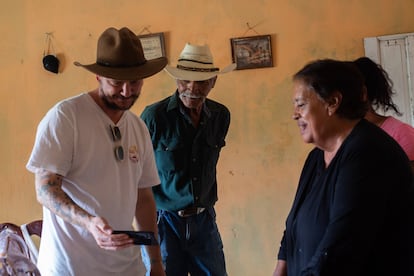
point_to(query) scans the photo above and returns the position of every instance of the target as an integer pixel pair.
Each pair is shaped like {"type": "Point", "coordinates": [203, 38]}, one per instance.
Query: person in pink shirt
{"type": "Point", "coordinates": [380, 92]}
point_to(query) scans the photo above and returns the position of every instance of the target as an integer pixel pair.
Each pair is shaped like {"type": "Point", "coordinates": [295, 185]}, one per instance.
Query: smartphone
{"type": "Point", "coordinates": [139, 237]}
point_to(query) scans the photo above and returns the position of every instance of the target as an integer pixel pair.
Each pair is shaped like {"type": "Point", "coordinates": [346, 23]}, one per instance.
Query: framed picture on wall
{"type": "Point", "coordinates": [153, 45]}
{"type": "Point", "coordinates": [252, 52]}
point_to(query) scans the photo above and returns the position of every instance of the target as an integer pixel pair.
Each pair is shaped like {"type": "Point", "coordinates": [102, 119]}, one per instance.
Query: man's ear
{"type": "Point", "coordinates": [334, 102]}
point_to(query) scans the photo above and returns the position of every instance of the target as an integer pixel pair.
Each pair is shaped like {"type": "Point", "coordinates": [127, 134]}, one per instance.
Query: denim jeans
{"type": "Point", "coordinates": [190, 245]}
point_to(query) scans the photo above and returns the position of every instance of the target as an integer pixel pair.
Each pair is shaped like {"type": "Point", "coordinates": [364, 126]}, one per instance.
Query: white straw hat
{"type": "Point", "coordinates": [196, 64]}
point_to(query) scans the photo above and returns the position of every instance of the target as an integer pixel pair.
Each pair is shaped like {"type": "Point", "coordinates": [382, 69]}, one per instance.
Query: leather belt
{"type": "Point", "coordinates": [190, 211]}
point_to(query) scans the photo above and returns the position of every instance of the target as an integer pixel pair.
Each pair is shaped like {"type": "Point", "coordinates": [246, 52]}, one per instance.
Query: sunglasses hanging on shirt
{"type": "Point", "coordinates": [116, 137]}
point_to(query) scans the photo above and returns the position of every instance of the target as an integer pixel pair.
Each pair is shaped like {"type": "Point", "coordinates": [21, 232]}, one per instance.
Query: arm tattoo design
{"type": "Point", "coordinates": [50, 193]}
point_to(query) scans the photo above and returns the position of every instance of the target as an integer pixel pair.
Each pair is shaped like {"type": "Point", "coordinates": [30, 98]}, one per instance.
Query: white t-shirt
{"type": "Point", "coordinates": [75, 141]}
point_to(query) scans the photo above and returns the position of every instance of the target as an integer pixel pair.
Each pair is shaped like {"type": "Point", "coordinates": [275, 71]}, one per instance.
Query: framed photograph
{"type": "Point", "coordinates": [252, 52]}
{"type": "Point", "coordinates": [153, 45]}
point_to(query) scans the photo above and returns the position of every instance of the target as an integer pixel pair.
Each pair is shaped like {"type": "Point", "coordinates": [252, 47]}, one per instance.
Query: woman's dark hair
{"type": "Point", "coordinates": [378, 83]}
{"type": "Point", "coordinates": [328, 76]}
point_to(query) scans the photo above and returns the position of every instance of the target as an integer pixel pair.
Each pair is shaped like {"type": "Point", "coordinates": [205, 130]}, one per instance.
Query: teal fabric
{"type": "Point", "coordinates": [186, 156]}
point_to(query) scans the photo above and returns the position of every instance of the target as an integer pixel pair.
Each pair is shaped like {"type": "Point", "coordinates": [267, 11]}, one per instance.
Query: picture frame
{"type": "Point", "coordinates": [252, 52]}
{"type": "Point", "coordinates": [153, 45]}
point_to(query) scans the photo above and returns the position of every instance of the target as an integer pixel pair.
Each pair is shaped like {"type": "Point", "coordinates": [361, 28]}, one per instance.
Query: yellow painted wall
{"type": "Point", "coordinates": [260, 165]}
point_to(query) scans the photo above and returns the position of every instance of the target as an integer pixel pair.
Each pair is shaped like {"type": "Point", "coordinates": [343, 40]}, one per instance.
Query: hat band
{"type": "Point", "coordinates": [107, 64]}
{"type": "Point", "coordinates": [194, 69]}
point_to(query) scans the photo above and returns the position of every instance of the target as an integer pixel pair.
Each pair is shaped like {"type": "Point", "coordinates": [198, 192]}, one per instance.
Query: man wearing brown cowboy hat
{"type": "Point", "coordinates": [188, 131]}
{"type": "Point", "coordinates": [95, 168]}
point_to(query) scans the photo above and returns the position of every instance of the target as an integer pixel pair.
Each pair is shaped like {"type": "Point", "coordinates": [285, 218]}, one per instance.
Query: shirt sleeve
{"type": "Point", "coordinates": [282, 250]}
{"type": "Point", "coordinates": [146, 117]}
{"type": "Point", "coordinates": [150, 175]}
{"type": "Point", "coordinates": [403, 133]}
{"type": "Point", "coordinates": [405, 137]}
{"type": "Point", "coordinates": [53, 147]}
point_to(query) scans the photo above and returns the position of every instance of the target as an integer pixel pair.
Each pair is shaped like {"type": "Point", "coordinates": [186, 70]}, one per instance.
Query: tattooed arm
{"type": "Point", "coordinates": [50, 194]}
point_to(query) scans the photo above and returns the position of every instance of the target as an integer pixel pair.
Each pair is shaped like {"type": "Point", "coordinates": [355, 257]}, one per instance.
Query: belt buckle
{"type": "Point", "coordinates": [190, 211]}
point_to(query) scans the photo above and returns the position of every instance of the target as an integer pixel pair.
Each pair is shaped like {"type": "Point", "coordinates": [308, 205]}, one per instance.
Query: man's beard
{"type": "Point", "coordinates": [111, 104]}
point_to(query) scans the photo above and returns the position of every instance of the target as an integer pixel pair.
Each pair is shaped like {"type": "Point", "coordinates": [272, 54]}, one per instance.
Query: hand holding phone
{"type": "Point", "coordinates": [139, 237]}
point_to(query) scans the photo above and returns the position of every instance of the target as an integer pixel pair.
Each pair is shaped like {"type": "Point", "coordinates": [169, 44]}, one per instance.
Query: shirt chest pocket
{"type": "Point", "coordinates": [215, 144]}
{"type": "Point", "coordinates": [212, 150]}
{"type": "Point", "coordinates": [170, 155]}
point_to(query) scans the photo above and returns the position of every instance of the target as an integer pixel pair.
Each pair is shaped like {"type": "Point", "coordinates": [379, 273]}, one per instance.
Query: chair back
{"type": "Point", "coordinates": [15, 255]}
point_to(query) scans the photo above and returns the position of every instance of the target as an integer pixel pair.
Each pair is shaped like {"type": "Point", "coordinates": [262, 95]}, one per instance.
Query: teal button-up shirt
{"type": "Point", "coordinates": [186, 156]}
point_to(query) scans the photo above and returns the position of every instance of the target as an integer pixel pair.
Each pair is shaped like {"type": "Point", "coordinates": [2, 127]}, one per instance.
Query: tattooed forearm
{"type": "Point", "coordinates": [50, 194]}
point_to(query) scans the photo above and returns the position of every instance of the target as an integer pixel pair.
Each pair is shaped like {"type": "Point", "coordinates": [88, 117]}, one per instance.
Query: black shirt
{"type": "Point", "coordinates": [355, 217]}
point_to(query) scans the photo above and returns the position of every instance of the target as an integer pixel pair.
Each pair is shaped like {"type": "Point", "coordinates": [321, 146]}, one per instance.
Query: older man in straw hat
{"type": "Point", "coordinates": [95, 168]}
{"type": "Point", "coordinates": [188, 131]}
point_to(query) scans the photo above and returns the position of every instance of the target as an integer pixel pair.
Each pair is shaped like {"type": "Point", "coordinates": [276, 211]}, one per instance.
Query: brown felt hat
{"type": "Point", "coordinates": [120, 56]}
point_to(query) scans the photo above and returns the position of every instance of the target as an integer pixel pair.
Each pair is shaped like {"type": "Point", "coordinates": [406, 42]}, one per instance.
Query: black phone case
{"type": "Point", "coordinates": [139, 237]}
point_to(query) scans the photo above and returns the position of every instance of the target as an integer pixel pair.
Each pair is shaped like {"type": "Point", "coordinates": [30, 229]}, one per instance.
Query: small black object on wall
{"type": "Point", "coordinates": [50, 61]}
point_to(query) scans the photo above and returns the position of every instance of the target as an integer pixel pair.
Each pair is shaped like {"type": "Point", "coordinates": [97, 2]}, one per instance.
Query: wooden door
{"type": "Point", "coordinates": [395, 53]}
